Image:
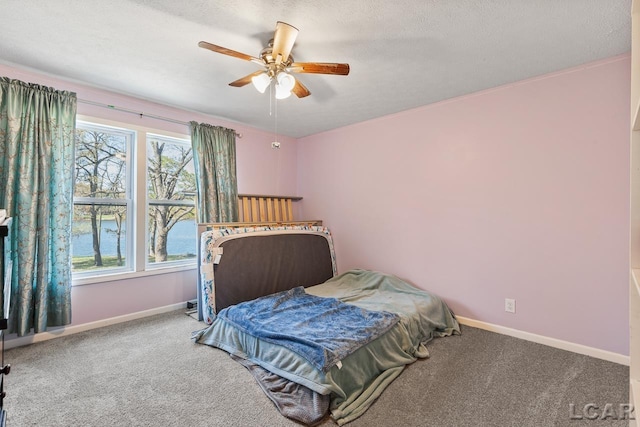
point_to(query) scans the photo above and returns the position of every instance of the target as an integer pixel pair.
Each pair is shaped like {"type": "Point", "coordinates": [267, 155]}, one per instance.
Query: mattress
{"type": "Point", "coordinates": [360, 377]}
{"type": "Point", "coordinates": [240, 264]}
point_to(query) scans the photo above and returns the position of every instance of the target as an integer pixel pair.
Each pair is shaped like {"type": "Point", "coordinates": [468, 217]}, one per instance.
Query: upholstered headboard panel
{"type": "Point", "coordinates": [242, 264]}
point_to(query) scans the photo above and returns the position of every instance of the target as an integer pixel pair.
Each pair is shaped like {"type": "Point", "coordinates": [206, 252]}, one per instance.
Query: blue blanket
{"type": "Point", "coordinates": [322, 330]}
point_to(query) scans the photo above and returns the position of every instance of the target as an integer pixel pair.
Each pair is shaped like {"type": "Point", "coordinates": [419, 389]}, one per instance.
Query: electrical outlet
{"type": "Point", "coordinates": [509, 305]}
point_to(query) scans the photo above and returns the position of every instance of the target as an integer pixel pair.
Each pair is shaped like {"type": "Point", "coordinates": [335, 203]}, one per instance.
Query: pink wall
{"type": "Point", "coordinates": [261, 170]}
{"type": "Point", "coordinates": [516, 192]}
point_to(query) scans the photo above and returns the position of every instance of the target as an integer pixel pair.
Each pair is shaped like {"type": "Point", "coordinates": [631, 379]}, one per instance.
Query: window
{"type": "Point", "coordinates": [102, 199]}
{"type": "Point", "coordinates": [134, 201]}
{"type": "Point", "coordinates": [171, 190]}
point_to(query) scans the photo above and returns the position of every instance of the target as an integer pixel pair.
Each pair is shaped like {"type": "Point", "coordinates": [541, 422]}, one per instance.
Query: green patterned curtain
{"type": "Point", "coordinates": [214, 155]}
{"type": "Point", "coordinates": [37, 131]}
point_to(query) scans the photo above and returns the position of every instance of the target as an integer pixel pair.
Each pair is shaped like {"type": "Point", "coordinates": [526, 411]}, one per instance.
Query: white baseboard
{"type": "Point", "coordinates": [552, 342]}
{"type": "Point", "coordinates": [11, 342]}
{"type": "Point", "coordinates": [528, 336]}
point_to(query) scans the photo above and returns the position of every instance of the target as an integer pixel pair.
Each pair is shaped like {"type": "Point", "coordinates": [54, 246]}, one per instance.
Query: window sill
{"type": "Point", "coordinates": [114, 277]}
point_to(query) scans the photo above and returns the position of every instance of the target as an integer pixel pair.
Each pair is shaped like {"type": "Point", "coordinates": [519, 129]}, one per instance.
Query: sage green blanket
{"type": "Point", "coordinates": [361, 377]}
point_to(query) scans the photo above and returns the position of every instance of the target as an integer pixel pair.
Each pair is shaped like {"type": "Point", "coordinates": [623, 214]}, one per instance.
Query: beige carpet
{"type": "Point", "coordinates": [148, 373]}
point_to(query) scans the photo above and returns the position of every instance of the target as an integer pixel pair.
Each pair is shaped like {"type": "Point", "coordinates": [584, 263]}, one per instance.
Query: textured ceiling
{"type": "Point", "coordinates": [403, 54]}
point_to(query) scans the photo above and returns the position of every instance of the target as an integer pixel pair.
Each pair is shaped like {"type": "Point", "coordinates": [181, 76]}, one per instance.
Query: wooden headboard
{"type": "Point", "coordinates": [256, 208]}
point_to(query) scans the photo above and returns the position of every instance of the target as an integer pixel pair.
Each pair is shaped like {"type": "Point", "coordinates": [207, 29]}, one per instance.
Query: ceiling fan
{"type": "Point", "coordinates": [278, 64]}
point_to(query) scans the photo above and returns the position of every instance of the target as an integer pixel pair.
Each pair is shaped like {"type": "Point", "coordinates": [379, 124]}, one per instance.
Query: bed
{"type": "Point", "coordinates": [318, 343]}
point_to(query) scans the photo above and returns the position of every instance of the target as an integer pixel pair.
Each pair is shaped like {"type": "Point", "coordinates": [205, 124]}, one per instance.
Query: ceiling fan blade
{"type": "Point", "coordinates": [245, 80]}
{"type": "Point", "coordinates": [283, 40]}
{"type": "Point", "coordinates": [300, 90]}
{"type": "Point", "coordinates": [225, 51]}
{"type": "Point", "coordinates": [319, 68]}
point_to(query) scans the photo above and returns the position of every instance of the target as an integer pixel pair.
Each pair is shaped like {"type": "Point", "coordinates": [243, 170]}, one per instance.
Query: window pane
{"type": "Point", "coordinates": [101, 163]}
{"type": "Point", "coordinates": [99, 238]}
{"type": "Point", "coordinates": [175, 242]}
{"type": "Point", "coordinates": [171, 188]}
{"type": "Point", "coordinates": [170, 173]}
{"type": "Point", "coordinates": [101, 198]}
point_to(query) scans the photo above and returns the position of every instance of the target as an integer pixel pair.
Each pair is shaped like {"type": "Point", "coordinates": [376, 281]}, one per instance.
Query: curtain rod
{"type": "Point", "coordinates": [138, 113]}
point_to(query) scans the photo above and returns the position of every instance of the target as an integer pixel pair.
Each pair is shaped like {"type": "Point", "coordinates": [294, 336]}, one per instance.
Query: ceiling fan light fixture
{"type": "Point", "coordinates": [286, 81]}
{"type": "Point", "coordinates": [282, 93]}
{"type": "Point", "coordinates": [261, 82]}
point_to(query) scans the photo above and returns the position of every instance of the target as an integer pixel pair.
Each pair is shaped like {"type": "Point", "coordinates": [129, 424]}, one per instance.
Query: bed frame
{"type": "Point", "coordinates": [256, 208]}
{"type": "Point", "coordinates": [240, 261]}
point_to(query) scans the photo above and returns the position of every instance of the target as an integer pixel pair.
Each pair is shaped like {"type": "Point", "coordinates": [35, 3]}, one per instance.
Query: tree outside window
{"type": "Point", "coordinates": [171, 188]}
{"type": "Point", "coordinates": [101, 197]}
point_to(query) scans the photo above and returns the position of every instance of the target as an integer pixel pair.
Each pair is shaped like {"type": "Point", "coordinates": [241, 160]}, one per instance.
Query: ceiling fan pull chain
{"type": "Point", "coordinates": [275, 107]}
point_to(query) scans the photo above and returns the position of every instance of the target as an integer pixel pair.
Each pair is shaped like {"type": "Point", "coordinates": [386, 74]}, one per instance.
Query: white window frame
{"type": "Point", "coordinates": [137, 212]}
